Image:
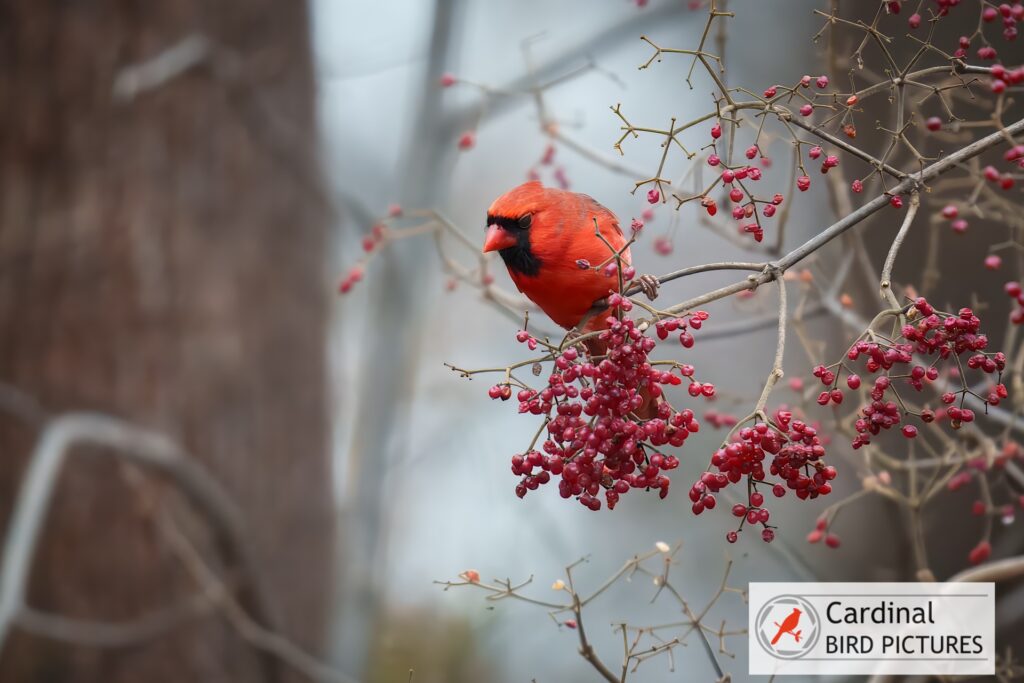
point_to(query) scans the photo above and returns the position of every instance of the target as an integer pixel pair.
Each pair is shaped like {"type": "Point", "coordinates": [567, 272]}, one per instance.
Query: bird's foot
{"type": "Point", "coordinates": [649, 286]}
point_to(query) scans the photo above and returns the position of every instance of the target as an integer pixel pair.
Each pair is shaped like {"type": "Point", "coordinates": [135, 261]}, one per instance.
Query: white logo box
{"type": "Point", "coordinates": [872, 628]}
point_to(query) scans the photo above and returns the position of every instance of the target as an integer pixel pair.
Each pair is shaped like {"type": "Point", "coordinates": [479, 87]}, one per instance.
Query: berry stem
{"type": "Point", "coordinates": [885, 285]}
{"type": "Point", "coordinates": [776, 372]}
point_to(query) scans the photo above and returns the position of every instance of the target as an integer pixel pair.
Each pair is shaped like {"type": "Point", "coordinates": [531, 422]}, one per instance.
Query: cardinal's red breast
{"type": "Point", "coordinates": [542, 234]}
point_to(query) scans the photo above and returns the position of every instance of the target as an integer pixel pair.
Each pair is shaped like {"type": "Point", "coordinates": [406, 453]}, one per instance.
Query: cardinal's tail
{"type": "Point", "coordinates": [595, 346]}
{"type": "Point", "coordinates": [649, 408]}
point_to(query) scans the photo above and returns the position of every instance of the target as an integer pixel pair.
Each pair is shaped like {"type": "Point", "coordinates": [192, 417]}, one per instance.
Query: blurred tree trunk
{"type": "Point", "coordinates": [162, 261]}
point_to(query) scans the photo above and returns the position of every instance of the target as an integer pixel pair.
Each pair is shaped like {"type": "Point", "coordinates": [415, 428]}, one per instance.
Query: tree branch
{"type": "Point", "coordinates": [912, 183]}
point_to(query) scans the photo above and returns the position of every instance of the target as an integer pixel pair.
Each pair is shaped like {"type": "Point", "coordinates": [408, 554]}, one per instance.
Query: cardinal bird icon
{"type": "Point", "coordinates": [787, 626]}
{"type": "Point", "coordinates": [791, 615]}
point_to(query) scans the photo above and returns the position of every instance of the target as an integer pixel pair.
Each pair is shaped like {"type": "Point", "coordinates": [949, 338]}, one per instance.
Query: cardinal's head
{"type": "Point", "coordinates": [514, 221]}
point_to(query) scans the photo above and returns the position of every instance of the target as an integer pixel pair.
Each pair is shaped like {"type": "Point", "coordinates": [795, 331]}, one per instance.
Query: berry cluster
{"type": "Point", "coordinates": [1009, 14]}
{"type": "Point", "coordinates": [719, 420]}
{"type": "Point", "coordinates": [596, 438]}
{"type": "Point", "coordinates": [547, 160]}
{"type": "Point", "coordinates": [952, 213]}
{"type": "Point", "coordinates": [379, 235]}
{"type": "Point", "coordinates": [744, 202]}
{"type": "Point", "coordinates": [1004, 509]}
{"type": "Point", "coordinates": [1015, 292]}
{"type": "Point", "coordinates": [796, 453]}
{"type": "Point", "coordinates": [912, 360]}
{"type": "Point", "coordinates": [821, 531]}
{"type": "Point", "coordinates": [354, 275]}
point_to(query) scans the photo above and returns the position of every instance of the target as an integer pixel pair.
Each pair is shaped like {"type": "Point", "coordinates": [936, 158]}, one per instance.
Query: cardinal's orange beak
{"type": "Point", "coordinates": [498, 238]}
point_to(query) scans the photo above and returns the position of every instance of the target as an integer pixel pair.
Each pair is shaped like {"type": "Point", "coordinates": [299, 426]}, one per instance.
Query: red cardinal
{"type": "Point", "coordinates": [541, 233]}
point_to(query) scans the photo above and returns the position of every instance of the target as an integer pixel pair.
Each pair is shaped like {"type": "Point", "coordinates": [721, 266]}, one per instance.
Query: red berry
{"type": "Point", "coordinates": [980, 553]}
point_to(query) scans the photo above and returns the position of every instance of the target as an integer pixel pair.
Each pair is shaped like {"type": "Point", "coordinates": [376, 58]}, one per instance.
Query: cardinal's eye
{"type": "Point", "coordinates": [525, 221]}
